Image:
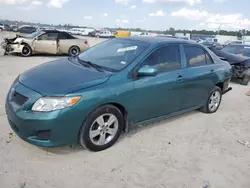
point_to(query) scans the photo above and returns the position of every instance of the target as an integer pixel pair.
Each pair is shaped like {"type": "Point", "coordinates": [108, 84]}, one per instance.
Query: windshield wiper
{"type": "Point", "coordinates": [88, 63]}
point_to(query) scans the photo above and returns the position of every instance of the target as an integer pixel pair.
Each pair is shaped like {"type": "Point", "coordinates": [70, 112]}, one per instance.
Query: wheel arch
{"type": "Point", "coordinates": [25, 43]}
{"type": "Point", "coordinates": [120, 107]}
{"type": "Point", "coordinates": [220, 85]}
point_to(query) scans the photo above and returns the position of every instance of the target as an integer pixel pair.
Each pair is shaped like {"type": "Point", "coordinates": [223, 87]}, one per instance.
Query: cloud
{"type": "Point", "coordinates": [125, 21]}
{"type": "Point", "coordinates": [220, 1]}
{"type": "Point", "coordinates": [190, 14]}
{"type": "Point", "coordinates": [133, 7]}
{"type": "Point", "coordinates": [158, 13]}
{"type": "Point", "coordinates": [33, 5]}
{"type": "Point", "coordinates": [226, 21]}
{"type": "Point", "coordinates": [190, 2]}
{"type": "Point", "coordinates": [87, 17]}
{"type": "Point", "coordinates": [57, 3]}
{"type": "Point", "coordinates": [124, 2]}
{"type": "Point", "coordinates": [105, 14]}
{"type": "Point", "coordinates": [12, 2]}
{"type": "Point", "coordinates": [143, 20]}
{"type": "Point", "coordinates": [36, 3]}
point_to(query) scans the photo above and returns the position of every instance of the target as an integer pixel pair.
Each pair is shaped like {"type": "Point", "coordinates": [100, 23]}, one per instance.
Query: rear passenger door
{"type": "Point", "coordinates": [199, 75]}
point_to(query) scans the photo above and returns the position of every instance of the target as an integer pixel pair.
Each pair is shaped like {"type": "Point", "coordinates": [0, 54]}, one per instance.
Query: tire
{"type": "Point", "coordinates": [95, 142]}
{"type": "Point", "coordinates": [74, 51]}
{"type": "Point", "coordinates": [26, 51]}
{"type": "Point", "coordinates": [245, 80]}
{"type": "Point", "coordinates": [207, 108]}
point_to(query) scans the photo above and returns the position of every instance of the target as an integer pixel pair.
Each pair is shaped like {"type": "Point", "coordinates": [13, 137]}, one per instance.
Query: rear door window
{"type": "Point", "coordinates": [195, 56]}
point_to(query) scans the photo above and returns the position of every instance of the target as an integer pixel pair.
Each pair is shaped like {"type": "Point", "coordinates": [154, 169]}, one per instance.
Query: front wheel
{"type": "Point", "coordinates": [26, 51]}
{"type": "Point", "coordinates": [213, 101]}
{"type": "Point", "coordinates": [102, 128]}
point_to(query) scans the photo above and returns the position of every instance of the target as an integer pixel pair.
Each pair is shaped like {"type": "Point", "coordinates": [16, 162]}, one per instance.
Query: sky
{"type": "Point", "coordinates": [146, 14]}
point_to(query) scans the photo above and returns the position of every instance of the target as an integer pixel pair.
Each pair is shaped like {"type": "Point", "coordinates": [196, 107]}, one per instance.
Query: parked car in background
{"type": "Point", "coordinates": [86, 31]}
{"type": "Point", "coordinates": [45, 42]}
{"type": "Point", "coordinates": [104, 34]}
{"type": "Point", "coordinates": [2, 27]}
{"type": "Point", "coordinates": [14, 28]}
{"type": "Point", "coordinates": [27, 29]}
{"type": "Point", "coordinates": [239, 58]}
{"type": "Point", "coordinates": [112, 87]}
{"type": "Point", "coordinates": [93, 33]}
{"type": "Point", "coordinates": [217, 45]}
{"type": "Point", "coordinates": [75, 31]}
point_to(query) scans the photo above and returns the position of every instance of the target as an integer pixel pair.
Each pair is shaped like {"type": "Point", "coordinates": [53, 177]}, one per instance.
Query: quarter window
{"type": "Point", "coordinates": [164, 59]}
{"type": "Point", "coordinates": [195, 56]}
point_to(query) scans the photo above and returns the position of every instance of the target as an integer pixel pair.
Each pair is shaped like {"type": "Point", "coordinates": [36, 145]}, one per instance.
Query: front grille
{"type": "Point", "coordinates": [18, 98]}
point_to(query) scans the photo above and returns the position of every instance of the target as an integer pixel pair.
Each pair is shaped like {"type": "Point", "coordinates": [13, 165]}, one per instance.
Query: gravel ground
{"type": "Point", "coordinates": [193, 150]}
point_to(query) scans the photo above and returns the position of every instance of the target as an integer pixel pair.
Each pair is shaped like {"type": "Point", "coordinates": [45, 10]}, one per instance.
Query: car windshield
{"type": "Point", "coordinates": [114, 54]}
{"type": "Point", "coordinates": [241, 50]}
{"type": "Point", "coordinates": [33, 35]}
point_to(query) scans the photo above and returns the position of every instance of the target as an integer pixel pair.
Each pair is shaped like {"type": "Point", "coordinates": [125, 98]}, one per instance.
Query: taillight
{"type": "Point", "coordinates": [85, 42]}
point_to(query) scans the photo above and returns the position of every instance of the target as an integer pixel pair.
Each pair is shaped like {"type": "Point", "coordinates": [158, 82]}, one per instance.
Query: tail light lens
{"type": "Point", "coordinates": [85, 42]}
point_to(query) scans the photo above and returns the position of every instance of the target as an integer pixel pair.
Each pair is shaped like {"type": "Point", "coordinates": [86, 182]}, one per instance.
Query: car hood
{"type": "Point", "coordinates": [61, 77]}
{"type": "Point", "coordinates": [231, 58]}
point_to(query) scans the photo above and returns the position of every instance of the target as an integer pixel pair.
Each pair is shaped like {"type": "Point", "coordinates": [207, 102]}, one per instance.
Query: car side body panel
{"type": "Point", "coordinates": [64, 45]}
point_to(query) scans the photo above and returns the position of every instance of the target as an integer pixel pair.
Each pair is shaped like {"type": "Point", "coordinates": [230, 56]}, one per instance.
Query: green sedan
{"type": "Point", "coordinates": [120, 83]}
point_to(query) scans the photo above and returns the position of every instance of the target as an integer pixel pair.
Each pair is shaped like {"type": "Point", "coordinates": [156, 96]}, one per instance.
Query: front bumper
{"type": "Point", "coordinates": [14, 48]}
{"type": "Point", "coordinates": [47, 129]}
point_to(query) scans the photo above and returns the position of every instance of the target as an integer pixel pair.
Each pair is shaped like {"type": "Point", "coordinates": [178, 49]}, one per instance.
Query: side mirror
{"type": "Point", "coordinates": [147, 71]}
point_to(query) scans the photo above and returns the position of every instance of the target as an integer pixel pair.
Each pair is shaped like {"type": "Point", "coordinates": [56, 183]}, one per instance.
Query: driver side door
{"type": "Point", "coordinates": [46, 43]}
{"type": "Point", "coordinates": [161, 94]}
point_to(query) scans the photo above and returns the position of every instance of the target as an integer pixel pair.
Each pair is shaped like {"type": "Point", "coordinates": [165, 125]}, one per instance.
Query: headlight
{"type": "Point", "coordinates": [46, 104]}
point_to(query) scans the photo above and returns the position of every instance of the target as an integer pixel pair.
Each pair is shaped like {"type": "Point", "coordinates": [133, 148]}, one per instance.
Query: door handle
{"type": "Point", "coordinates": [212, 71]}
{"type": "Point", "coordinates": [179, 78]}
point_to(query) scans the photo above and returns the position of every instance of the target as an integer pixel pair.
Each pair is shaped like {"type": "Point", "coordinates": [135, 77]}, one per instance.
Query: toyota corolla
{"type": "Point", "coordinates": [113, 86]}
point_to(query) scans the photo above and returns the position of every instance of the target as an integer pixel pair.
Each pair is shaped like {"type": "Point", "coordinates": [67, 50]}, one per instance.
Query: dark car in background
{"type": "Point", "coordinates": [238, 56]}
{"type": "Point", "coordinates": [27, 29]}
{"type": "Point", "coordinates": [93, 33]}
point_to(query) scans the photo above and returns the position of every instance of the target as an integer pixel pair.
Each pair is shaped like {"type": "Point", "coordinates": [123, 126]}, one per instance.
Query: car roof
{"type": "Point", "coordinates": [158, 39]}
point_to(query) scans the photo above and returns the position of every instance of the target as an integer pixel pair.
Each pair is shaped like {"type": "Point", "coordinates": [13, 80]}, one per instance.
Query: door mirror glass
{"type": "Point", "coordinates": [147, 71]}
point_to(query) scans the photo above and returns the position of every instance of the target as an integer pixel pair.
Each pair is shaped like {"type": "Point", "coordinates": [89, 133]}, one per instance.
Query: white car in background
{"type": "Point", "coordinates": [104, 34]}
{"type": "Point", "coordinates": [75, 31]}
{"type": "Point", "coordinates": [2, 27]}
{"type": "Point", "coordinates": [86, 31]}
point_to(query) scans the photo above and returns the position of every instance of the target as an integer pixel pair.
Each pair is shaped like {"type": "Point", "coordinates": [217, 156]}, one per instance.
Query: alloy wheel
{"type": "Point", "coordinates": [214, 101]}
{"type": "Point", "coordinates": [103, 129]}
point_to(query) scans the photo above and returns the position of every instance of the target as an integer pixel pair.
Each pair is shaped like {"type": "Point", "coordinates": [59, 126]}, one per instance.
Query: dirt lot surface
{"type": "Point", "coordinates": [193, 150]}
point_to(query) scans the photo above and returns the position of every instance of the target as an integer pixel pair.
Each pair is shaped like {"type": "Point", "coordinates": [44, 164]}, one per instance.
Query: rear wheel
{"type": "Point", "coordinates": [74, 51]}
{"type": "Point", "coordinates": [26, 51]}
{"type": "Point", "coordinates": [213, 101]}
{"type": "Point", "coordinates": [245, 80]}
{"type": "Point", "coordinates": [102, 128]}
